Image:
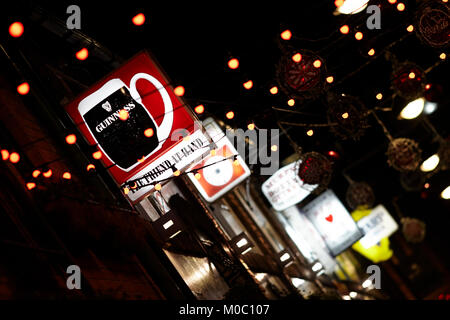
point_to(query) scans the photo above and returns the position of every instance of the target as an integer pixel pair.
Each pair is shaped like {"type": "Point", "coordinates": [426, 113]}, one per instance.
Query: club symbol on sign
{"type": "Point", "coordinates": [329, 218]}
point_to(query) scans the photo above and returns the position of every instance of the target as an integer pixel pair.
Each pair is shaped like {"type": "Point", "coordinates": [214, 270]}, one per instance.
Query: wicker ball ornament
{"type": "Point", "coordinates": [432, 24]}
{"type": "Point", "coordinates": [413, 229]}
{"type": "Point", "coordinates": [404, 154]}
{"type": "Point", "coordinates": [314, 169]}
{"type": "Point", "coordinates": [360, 194]}
{"type": "Point", "coordinates": [408, 81]}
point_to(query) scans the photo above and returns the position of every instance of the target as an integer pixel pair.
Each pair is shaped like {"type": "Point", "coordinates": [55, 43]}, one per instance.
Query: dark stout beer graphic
{"type": "Point", "coordinates": [123, 141]}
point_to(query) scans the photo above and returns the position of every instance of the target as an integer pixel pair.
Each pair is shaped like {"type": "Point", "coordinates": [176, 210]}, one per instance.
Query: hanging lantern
{"type": "Point", "coordinates": [413, 229]}
{"type": "Point", "coordinates": [432, 23]}
{"type": "Point", "coordinates": [408, 80]}
{"type": "Point", "coordinates": [315, 168]}
{"type": "Point", "coordinates": [301, 78]}
{"type": "Point", "coordinates": [412, 180]}
{"type": "Point", "coordinates": [404, 154]}
{"type": "Point", "coordinates": [360, 194]}
{"type": "Point", "coordinates": [347, 116]}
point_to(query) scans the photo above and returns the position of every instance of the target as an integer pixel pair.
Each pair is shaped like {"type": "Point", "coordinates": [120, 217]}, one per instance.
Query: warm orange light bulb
{"type": "Point", "coordinates": [23, 88]}
{"type": "Point", "coordinates": [251, 126]}
{"type": "Point", "coordinates": [31, 185]}
{"type": "Point", "coordinates": [392, 1]}
{"type": "Point", "coordinates": [138, 19]}
{"type": "Point", "coordinates": [286, 35]}
{"type": "Point", "coordinates": [199, 109]}
{"type": "Point", "coordinates": [442, 56]}
{"type": "Point", "coordinates": [67, 175]}
{"type": "Point", "coordinates": [317, 63]}
{"type": "Point", "coordinates": [410, 28]}
{"type": "Point", "coordinates": [16, 29]}
{"type": "Point", "coordinates": [5, 154]}
{"type": "Point", "coordinates": [179, 91]}
{"type": "Point", "coordinates": [177, 173]}
{"type": "Point", "coordinates": [248, 85]}
{"type": "Point", "coordinates": [48, 173]}
{"type": "Point", "coordinates": [158, 186]}
{"type": "Point", "coordinates": [274, 90]}
{"type": "Point", "coordinates": [297, 57]}
{"type": "Point", "coordinates": [345, 115]}
{"type": "Point", "coordinates": [344, 29]}
{"type": "Point", "coordinates": [359, 35]}
{"type": "Point", "coordinates": [36, 173]}
{"type": "Point", "coordinates": [90, 167]}
{"type": "Point", "coordinates": [126, 190]}
{"type": "Point", "coordinates": [401, 6]}
{"type": "Point", "coordinates": [97, 155]}
{"type": "Point", "coordinates": [141, 159]}
{"type": "Point", "coordinates": [379, 96]}
{"type": "Point", "coordinates": [123, 115]}
{"type": "Point", "coordinates": [338, 3]}
{"type": "Point", "coordinates": [274, 148]}
{"type": "Point", "coordinates": [233, 63]}
{"type": "Point", "coordinates": [291, 102]}
{"type": "Point", "coordinates": [197, 176]}
{"type": "Point", "coordinates": [412, 75]}
{"type": "Point", "coordinates": [230, 115]}
{"type": "Point", "coordinates": [82, 54]}
{"type": "Point", "coordinates": [330, 79]}
{"type": "Point", "coordinates": [428, 86]}
{"type": "Point", "coordinates": [71, 138]}
{"type": "Point", "coordinates": [310, 132]}
{"type": "Point", "coordinates": [149, 132]}
{"type": "Point", "coordinates": [371, 52]}
{"type": "Point", "coordinates": [14, 157]}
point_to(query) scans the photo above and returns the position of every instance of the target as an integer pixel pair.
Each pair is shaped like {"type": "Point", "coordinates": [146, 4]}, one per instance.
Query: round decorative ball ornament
{"type": "Point", "coordinates": [413, 229]}
{"type": "Point", "coordinates": [404, 154]}
{"type": "Point", "coordinates": [433, 24]}
{"type": "Point", "coordinates": [347, 116]}
{"type": "Point", "coordinates": [360, 194]}
{"type": "Point", "coordinates": [408, 81]}
{"type": "Point", "coordinates": [315, 168]}
{"type": "Point", "coordinates": [302, 79]}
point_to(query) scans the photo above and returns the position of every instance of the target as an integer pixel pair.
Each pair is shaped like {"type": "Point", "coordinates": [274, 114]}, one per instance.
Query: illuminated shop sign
{"type": "Point", "coordinates": [221, 170]}
{"type": "Point", "coordinates": [137, 122]}
{"type": "Point", "coordinates": [333, 221]}
{"type": "Point", "coordinates": [285, 189]}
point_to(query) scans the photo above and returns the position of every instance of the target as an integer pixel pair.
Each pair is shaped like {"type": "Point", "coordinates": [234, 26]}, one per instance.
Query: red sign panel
{"type": "Point", "coordinates": [132, 116]}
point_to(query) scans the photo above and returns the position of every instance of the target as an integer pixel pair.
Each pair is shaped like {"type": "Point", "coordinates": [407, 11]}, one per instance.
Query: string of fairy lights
{"type": "Point", "coordinates": [17, 29]}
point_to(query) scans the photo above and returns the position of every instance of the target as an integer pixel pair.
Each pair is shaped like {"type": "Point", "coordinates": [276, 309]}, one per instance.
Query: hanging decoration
{"type": "Point", "coordinates": [315, 168]}
{"type": "Point", "coordinates": [413, 229]}
{"type": "Point", "coordinates": [408, 80]}
{"type": "Point", "coordinates": [412, 180]}
{"type": "Point", "coordinates": [347, 116]}
{"type": "Point", "coordinates": [301, 74]}
{"type": "Point", "coordinates": [404, 154]}
{"type": "Point", "coordinates": [432, 24]}
{"type": "Point", "coordinates": [360, 195]}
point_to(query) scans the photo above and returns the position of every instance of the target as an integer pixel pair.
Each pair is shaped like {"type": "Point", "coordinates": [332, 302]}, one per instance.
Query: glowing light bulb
{"type": "Point", "coordinates": [36, 173]}
{"type": "Point", "coordinates": [230, 115]}
{"type": "Point", "coordinates": [410, 28]}
{"type": "Point", "coordinates": [67, 175]}
{"type": "Point", "coordinates": [23, 88]}
{"type": "Point", "coordinates": [157, 186]}
{"type": "Point", "coordinates": [310, 132]}
{"type": "Point", "coordinates": [379, 96]}
{"type": "Point", "coordinates": [371, 52]}
{"type": "Point", "coordinates": [344, 29]}
{"type": "Point", "coordinates": [5, 154]}
{"type": "Point", "coordinates": [401, 6]}
{"type": "Point", "coordinates": [251, 126]}
{"type": "Point", "coordinates": [392, 1]}
{"type": "Point", "coordinates": [71, 139]}
{"type": "Point", "coordinates": [344, 115]}
{"type": "Point", "coordinates": [413, 109]}
{"type": "Point", "coordinates": [317, 63]}
{"type": "Point", "coordinates": [90, 167]}
{"type": "Point", "coordinates": [16, 29]}
{"type": "Point", "coordinates": [48, 173]}
{"type": "Point", "coordinates": [291, 102]}
{"type": "Point", "coordinates": [141, 159]}
{"type": "Point", "coordinates": [286, 35]}
{"type": "Point", "coordinates": [359, 35]}
{"type": "Point", "coordinates": [445, 194]}
{"type": "Point", "coordinates": [199, 109]}
{"type": "Point", "coordinates": [82, 54]}
{"type": "Point", "coordinates": [428, 86]}
{"type": "Point", "coordinates": [351, 6]}
{"type": "Point", "coordinates": [138, 19]}
{"type": "Point", "coordinates": [297, 57]}
{"type": "Point", "coordinates": [197, 176]}
{"type": "Point", "coordinates": [31, 185]}
{"type": "Point", "coordinates": [149, 132]}
{"type": "Point", "coordinates": [233, 63]}
{"type": "Point", "coordinates": [412, 75]}
{"type": "Point", "coordinates": [274, 148]}
{"type": "Point", "coordinates": [14, 157]}
{"type": "Point", "coordinates": [97, 155]}
{"type": "Point", "coordinates": [248, 85]}
{"type": "Point", "coordinates": [430, 164]}
{"type": "Point", "coordinates": [338, 3]}
{"type": "Point", "coordinates": [426, 185]}
{"type": "Point", "coordinates": [123, 115]}
{"type": "Point", "coordinates": [179, 91]}
{"type": "Point", "coordinates": [330, 79]}
{"type": "Point", "coordinates": [442, 56]}
{"type": "Point", "coordinates": [177, 173]}
{"type": "Point", "coordinates": [274, 90]}
{"type": "Point", "coordinates": [353, 294]}
{"type": "Point", "coordinates": [126, 190]}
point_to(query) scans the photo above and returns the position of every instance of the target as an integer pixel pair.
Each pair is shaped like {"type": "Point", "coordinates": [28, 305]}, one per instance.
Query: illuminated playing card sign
{"type": "Point", "coordinates": [333, 222]}
{"type": "Point", "coordinates": [219, 172]}
{"type": "Point", "coordinates": [285, 189]}
{"type": "Point", "coordinates": [133, 117]}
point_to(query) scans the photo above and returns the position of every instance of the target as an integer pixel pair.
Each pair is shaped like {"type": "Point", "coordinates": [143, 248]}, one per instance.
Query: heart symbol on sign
{"type": "Point", "coordinates": [329, 218]}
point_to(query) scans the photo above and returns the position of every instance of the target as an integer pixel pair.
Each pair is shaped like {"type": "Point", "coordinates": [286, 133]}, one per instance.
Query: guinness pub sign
{"type": "Point", "coordinates": [139, 125]}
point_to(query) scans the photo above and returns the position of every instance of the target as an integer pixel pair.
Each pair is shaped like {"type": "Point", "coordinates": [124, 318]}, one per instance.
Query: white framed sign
{"type": "Point", "coordinates": [285, 189]}
{"type": "Point", "coordinates": [377, 225]}
{"type": "Point", "coordinates": [333, 222]}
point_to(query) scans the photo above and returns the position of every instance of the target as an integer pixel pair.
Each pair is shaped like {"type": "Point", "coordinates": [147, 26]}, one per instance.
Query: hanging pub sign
{"type": "Point", "coordinates": [285, 189]}
{"type": "Point", "coordinates": [220, 172]}
{"type": "Point", "coordinates": [333, 222]}
{"type": "Point", "coordinates": [135, 120]}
